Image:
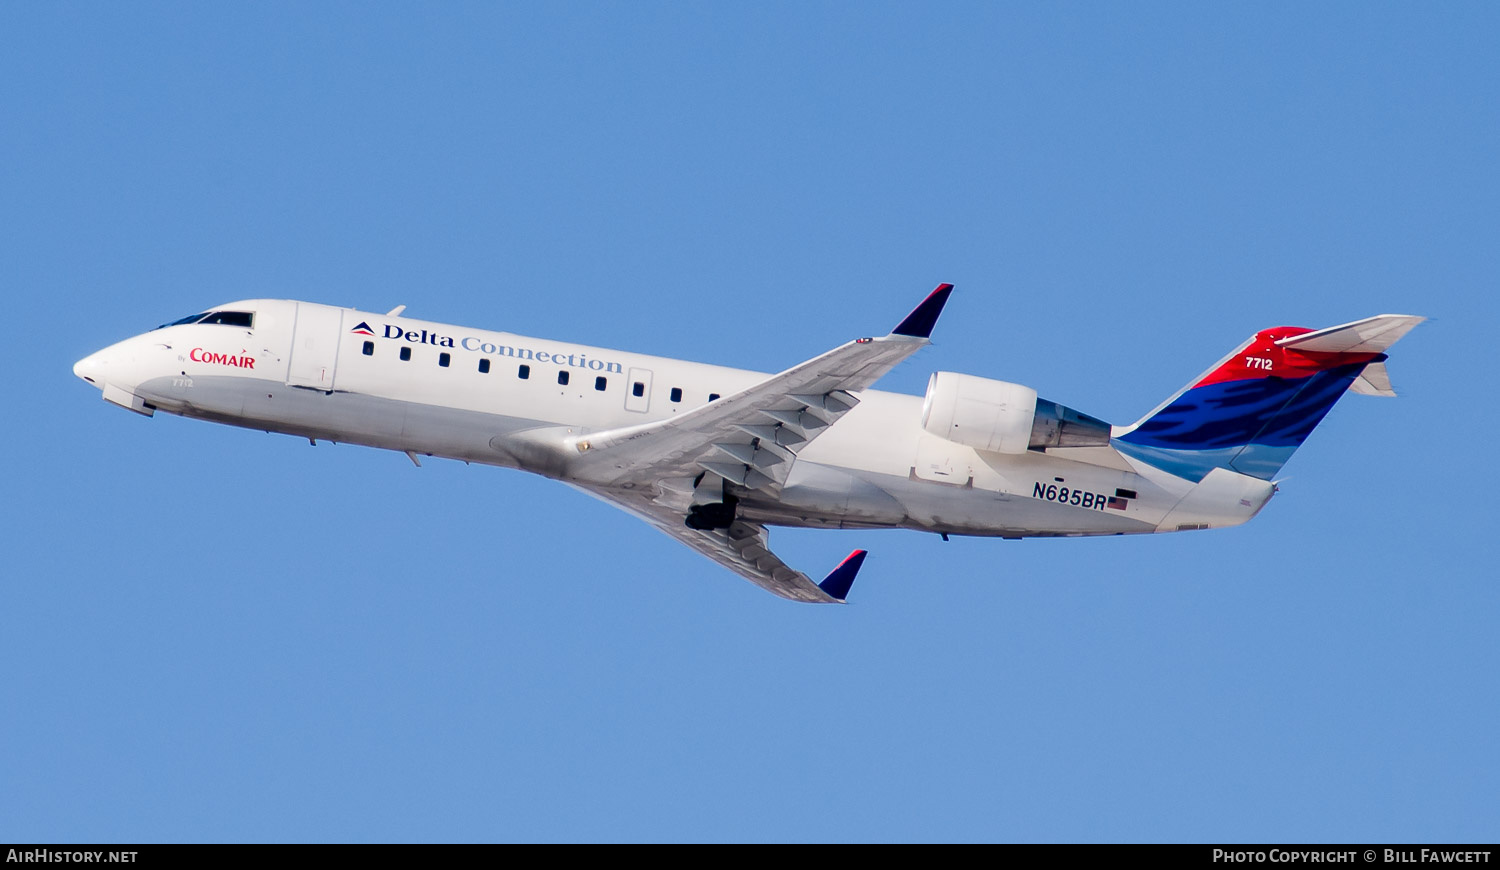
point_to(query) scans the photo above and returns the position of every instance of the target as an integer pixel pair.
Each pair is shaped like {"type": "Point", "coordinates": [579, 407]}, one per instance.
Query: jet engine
{"type": "Point", "coordinates": [1004, 418]}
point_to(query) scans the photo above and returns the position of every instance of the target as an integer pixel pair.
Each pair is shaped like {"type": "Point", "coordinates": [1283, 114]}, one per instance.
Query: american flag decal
{"type": "Point", "coordinates": [1116, 503]}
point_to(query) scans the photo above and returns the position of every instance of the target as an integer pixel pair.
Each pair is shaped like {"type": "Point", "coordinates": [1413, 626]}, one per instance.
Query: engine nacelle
{"type": "Point", "coordinates": [1003, 417]}
{"type": "Point", "coordinates": [979, 412]}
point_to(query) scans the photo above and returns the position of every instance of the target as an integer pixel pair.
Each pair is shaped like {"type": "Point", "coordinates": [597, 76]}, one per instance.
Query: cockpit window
{"type": "Point", "coordinates": [222, 318]}
{"type": "Point", "coordinates": [191, 318]}
{"type": "Point", "coordinates": [230, 318]}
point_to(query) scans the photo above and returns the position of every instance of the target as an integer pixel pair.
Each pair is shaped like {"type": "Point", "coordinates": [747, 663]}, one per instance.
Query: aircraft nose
{"type": "Point", "coordinates": [89, 368]}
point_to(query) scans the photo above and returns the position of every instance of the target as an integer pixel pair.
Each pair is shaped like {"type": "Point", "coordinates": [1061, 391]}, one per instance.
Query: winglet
{"type": "Point", "coordinates": [838, 581]}
{"type": "Point", "coordinates": [919, 323]}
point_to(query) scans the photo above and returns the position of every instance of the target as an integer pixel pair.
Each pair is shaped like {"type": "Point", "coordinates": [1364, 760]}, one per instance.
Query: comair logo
{"type": "Point", "coordinates": [362, 329]}
{"type": "Point", "coordinates": [469, 342]}
{"type": "Point", "coordinates": [242, 360]}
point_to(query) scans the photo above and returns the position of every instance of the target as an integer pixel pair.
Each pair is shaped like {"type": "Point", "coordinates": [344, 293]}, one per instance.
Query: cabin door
{"type": "Point", "coordinates": [315, 346]}
{"type": "Point", "coordinates": [638, 390]}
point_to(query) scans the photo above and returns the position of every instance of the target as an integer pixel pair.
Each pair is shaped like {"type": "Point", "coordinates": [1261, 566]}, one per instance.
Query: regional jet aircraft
{"type": "Point", "coordinates": [712, 456]}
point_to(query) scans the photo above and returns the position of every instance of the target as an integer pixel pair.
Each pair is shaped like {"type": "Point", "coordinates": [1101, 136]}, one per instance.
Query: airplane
{"type": "Point", "coordinates": [713, 456]}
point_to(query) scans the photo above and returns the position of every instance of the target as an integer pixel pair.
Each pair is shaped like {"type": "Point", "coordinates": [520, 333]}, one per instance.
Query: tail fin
{"type": "Point", "coordinates": [1253, 409]}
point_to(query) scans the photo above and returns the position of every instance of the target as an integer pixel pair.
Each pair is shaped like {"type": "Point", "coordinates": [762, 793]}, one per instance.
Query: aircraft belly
{"type": "Point", "coordinates": [827, 496]}
{"type": "Point", "coordinates": [346, 417]}
{"type": "Point", "coordinates": [216, 398]}
{"type": "Point", "coordinates": [980, 510]}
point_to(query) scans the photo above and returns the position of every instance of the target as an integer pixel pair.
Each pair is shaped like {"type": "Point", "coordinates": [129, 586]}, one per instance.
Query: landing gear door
{"type": "Point", "coordinates": [638, 390]}
{"type": "Point", "coordinates": [315, 346]}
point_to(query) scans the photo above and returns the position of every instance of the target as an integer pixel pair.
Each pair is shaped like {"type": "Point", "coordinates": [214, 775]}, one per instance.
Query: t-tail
{"type": "Point", "coordinates": [1253, 409]}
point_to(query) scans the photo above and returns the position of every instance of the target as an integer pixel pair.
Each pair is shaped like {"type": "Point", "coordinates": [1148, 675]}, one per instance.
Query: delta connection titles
{"type": "Point", "coordinates": [1368, 856]}
{"type": "Point", "coordinates": [469, 342]}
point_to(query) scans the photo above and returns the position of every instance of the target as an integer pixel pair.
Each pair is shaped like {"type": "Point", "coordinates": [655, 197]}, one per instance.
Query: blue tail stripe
{"type": "Point", "coordinates": [1271, 411]}
{"type": "Point", "coordinates": [1251, 426]}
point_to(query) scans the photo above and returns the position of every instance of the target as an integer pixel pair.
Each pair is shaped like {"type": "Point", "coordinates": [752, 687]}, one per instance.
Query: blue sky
{"type": "Point", "coordinates": [213, 634]}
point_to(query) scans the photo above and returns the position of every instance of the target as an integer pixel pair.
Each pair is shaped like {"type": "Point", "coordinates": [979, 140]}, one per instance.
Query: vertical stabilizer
{"type": "Point", "coordinates": [1253, 409]}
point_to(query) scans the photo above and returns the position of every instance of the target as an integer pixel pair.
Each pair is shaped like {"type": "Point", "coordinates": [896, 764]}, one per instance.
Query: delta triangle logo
{"type": "Point", "coordinates": [363, 329]}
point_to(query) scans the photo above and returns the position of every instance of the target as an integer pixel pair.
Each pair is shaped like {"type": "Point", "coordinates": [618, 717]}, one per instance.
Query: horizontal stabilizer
{"type": "Point", "coordinates": [1371, 335]}
{"type": "Point", "coordinates": [838, 581]}
{"type": "Point", "coordinates": [1374, 381]}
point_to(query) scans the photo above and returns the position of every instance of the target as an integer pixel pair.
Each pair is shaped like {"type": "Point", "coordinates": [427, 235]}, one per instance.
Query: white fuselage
{"type": "Point", "coordinates": [495, 398]}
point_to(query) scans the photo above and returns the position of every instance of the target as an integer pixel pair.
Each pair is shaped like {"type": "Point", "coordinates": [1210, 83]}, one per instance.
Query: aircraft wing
{"type": "Point", "coordinates": [750, 438]}
{"type": "Point", "coordinates": [742, 548]}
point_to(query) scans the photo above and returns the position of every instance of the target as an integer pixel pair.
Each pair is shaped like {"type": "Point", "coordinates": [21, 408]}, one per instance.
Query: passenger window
{"type": "Point", "coordinates": [713, 396]}
{"type": "Point", "coordinates": [676, 394]}
{"type": "Point", "coordinates": [405, 354]}
{"type": "Point", "coordinates": [562, 377]}
{"type": "Point", "coordinates": [600, 383]}
{"type": "Point", "coordinates": [523, 372]}
{"type": "Point", "coordinates": [637, 389]}
{"type": "Point", "coordinates": [444, 359]}
{"type": "Point", "coordinates": [368, 349]}
{"type": "Point", "coordinates": [484, 366]}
